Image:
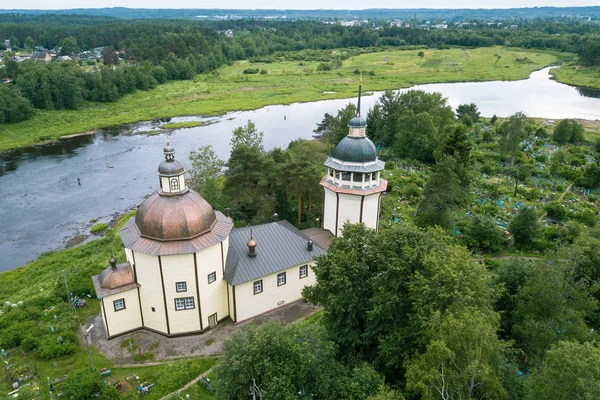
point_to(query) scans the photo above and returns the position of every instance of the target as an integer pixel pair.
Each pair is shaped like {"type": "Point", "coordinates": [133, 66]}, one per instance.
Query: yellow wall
{"type": "Point", "coordinates": [126, 319]}
{"type": "Point", "coordinates": [213, 296]}
{"type": "Point", "coordinates": [151, 294]}
{"type": "Point", "coordinates": [249, 304]}
{"type": "Point", "coordinates": [180, 268]}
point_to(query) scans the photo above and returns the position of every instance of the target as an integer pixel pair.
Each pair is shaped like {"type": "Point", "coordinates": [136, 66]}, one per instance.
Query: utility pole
{"type": "Point", "coordinates": [85, 333]}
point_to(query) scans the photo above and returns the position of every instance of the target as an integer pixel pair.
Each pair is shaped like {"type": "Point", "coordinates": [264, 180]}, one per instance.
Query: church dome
{"type": "Point", "coordinates": [164, 218]}
{"type": "Point", "coordinates": [170, 167]}
{"type": "Point", "coordinates": [357, 122]}
{"type": "Point", "coordinates": [355, 149]}
{"type": "Point", "coordinates": [117, 276]}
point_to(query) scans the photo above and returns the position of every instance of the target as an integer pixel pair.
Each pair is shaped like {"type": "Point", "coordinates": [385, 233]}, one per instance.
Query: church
{"type": "Point", "coordinates": [188, 268]}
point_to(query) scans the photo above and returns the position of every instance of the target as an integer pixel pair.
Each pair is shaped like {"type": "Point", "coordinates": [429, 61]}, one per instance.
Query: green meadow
{"type": "Point", "coordinates": [285, 82]}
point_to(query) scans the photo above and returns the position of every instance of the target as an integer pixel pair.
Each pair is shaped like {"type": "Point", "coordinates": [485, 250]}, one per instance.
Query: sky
{"type": "Point", "coordinates": [296, 4]}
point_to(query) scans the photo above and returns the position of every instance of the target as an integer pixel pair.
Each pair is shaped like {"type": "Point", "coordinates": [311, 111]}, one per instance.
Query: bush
{"type": "Point", "coordinates": [99, 227]}
{"type": "Point", "coordinates": [482, 233]}
{"type": "Point", "coordinates": [586, 217]}
{"type": "Point", "coordinates": [556, 211]}
{"type": "Point", "coordinates": [250, 71]}
{"type": "Point", "coordinates": [264, 71]}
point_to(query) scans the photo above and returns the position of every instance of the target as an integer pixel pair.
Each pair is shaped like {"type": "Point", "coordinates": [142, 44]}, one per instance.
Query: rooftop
{"type": "Point", "coordinates": [280, 246]}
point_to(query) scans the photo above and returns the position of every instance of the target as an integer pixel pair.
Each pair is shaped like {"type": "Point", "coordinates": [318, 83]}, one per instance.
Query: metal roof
{"type": "Point", "coordinates": [355, 149]}
{"type": "Point", "coordinates": [319, 236]}
{"type": "Point", "coordinates": [132, 239]}
{"type": "Point", "coordinates": [378, 165]}
{"type": "Point", "coordinates": [102, 292]}
{"type": "Point", "coordinates": [279, 246]}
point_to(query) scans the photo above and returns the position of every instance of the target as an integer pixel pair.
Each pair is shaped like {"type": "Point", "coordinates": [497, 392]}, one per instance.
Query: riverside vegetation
{"type": "Point", "coordinates": [291, 77]}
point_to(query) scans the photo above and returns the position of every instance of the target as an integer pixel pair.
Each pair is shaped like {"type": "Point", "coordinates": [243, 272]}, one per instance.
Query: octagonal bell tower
{"type": "Point", "coordinates": [353, 185]}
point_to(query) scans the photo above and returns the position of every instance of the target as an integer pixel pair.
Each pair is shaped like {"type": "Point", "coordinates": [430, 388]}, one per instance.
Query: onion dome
{"type": "Point", "coordinates": [116, 276]}
{"type": "Point", "coordinates": [358, 122]}
{"type": "Point", "coordinates": [166, 218]}
{"type": "Point", "coordinates": [251, 246]}
{"type": "Point", "coordinates": [355, 149]}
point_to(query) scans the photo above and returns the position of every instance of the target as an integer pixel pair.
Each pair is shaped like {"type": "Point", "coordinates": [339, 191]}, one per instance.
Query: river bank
{"type": "Point", "coordinates": [287, 82]}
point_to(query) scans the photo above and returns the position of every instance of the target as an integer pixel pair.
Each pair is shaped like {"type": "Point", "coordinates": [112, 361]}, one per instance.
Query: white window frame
{"type": "Point", "coordinates": [174, 184]}
{"type": "Point", "coordinates": [184, 303]}
{"type": "Point", "coordinates": [281, 279]}
{"type": "Point", "coordinates": [119, 308]}
{"type": "Point", "coordinates": [303, 271]}
{"type": "Point", "coordinates": [258, 286]}
{"type": "Point", "coordinates": [212, 277]}
{"type": "Point", "coordinates": [178, 287]}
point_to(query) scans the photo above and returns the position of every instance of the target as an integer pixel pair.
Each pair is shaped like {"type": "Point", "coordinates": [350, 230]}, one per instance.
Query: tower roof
{"type": "Point", "coordinates": [355, 149]}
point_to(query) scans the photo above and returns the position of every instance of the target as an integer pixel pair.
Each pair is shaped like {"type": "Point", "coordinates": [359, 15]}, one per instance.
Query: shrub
{"type": "Point", "coordinates": [99, 227]}
{"type": "Point", "coordinates": [482, 233]}
{"type": "Point", "coordinates": [264, 71]}
{"type": "Point", "coordinates": [556, 211]}
{"type": "Point", "coordinates": [250, 71]}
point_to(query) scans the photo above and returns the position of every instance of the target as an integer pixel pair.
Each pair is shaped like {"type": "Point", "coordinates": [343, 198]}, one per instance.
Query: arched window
{"type": "Point", "coordinates": [174, 184]}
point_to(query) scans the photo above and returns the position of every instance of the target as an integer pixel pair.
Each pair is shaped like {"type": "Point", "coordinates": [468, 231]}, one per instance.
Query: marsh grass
{"type": "Point", "coordinates": [229, 89]}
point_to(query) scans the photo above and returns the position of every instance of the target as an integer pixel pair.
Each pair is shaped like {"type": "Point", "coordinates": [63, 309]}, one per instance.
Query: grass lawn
{"type": "Point", "coordinates": [286, 82]}
{"type": "Point", "coordinates": [573, 74]}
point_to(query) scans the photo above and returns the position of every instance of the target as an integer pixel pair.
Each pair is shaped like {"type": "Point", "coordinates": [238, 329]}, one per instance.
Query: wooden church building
{"type": "Point", "coordinates": [188, 269]}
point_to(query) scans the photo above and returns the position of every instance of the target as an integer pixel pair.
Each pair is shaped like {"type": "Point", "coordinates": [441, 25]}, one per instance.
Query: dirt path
{"type": "Point", "coordinates": [559, 199]}
{"type": "Point", "coordinates": [189, 384]}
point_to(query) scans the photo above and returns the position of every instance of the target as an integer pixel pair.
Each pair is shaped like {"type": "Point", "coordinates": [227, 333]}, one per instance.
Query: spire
{"type": "Point", "coordinates": [359, 90]}
{"type": "Point", "coordinates": [169, 151]}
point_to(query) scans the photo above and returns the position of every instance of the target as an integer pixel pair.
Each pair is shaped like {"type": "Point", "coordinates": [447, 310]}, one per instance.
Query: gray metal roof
{"type": "Point", "coordinates": [279, 245]}
{"type": "Point", "coordinates": [355, 149]}
{"type": "Point", "coordinates": [378, 165]}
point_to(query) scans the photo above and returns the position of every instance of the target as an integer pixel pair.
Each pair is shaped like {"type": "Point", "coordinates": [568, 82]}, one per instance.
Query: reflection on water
{"type": "Point", "coordinates": [50, 192]}
{"type": "Point", "coordinates": [586, 92]}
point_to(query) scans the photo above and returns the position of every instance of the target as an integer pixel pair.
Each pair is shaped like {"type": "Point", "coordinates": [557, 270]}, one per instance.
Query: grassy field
{"type": "Point", "coordinates": [286, 82]}
{"type": "Point", "coordinates": [573, 74]}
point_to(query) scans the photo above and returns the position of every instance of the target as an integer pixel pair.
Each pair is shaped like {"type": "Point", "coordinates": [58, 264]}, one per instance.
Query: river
{"type": "Point", "coordinates": [50, 193]}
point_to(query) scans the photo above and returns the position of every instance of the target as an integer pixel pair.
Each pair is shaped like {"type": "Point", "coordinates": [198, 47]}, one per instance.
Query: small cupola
{"type": "Point", "coordinates": [357, 125]}
{"type": "Point", "coordinates": [251, 246]}
{"type": "Point", "coordinates": [309, 245]}
{"type": "Point", "coordinates": [171, 173]}
{"type": "Point", "coordinates": [113, 263]}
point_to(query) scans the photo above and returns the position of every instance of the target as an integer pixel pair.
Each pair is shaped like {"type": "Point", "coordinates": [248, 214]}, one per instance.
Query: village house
{"type": "Point", "coordinates": [187, 269]}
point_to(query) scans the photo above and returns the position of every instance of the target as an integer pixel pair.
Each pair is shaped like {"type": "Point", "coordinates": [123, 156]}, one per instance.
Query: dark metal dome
{"type": "Point", "coordinates": [355, 149]}
{"type": "Point", "coordinates": [170, 167]}
{"type": "Point", "coordinates": [166, 218]}
{"type": "Point", "coordinates": [357, 122]}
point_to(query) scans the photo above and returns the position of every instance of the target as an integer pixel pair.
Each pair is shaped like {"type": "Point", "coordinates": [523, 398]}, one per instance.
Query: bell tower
{"type": "Point", "coordinates": [353, 185]}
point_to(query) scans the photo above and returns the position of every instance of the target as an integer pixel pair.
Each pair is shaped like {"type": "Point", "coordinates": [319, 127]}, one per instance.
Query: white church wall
{"type": "Point", "coordinates": [180, 268]}
{"type": "Point", "coordinates": [349, 210]}
{"type": "Point", "coordinates": [231, 307]}
{"type": "Point", "coordinates": [153, 306]}
{"type": "Point", "coordinates": [126, 319]}
{"type": "Point", "coordinates": [249, 304]}
{"type": "Point", "coordinates": [213, 296]}
{"type": "Point", "coordinates": [370, 210]}
{"type": "Point", "coordinates": [329, 208]}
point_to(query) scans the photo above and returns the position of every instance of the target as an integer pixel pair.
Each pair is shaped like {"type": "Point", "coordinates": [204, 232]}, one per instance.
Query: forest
{"type": "Point", "coordinates": [141, 54]}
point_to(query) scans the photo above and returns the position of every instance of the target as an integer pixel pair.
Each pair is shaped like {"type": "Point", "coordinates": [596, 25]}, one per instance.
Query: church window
{"type": "Point", "coordinates": [119, 304]}
{"type": "Point", "coordinates": [281, 278]}
{"type": "Point", "coordinates": [331, 172]}
{"type": "Point", "coordinates": [184, 303]}
{"type": "Point", "coordinates": [303, 271]}
{"type": "Point", "coordinates": [212, 277]}
{"type": "Point", "coordinates": [258, 288]}
{"type": "Point", "coordinates": [174, 184]}
{"type": "Point", "coordinates": [346, 176]}
{"type": "Point", "coordinates": [357, 177]}
{"type": "Point", "coordinates": [181, 286]}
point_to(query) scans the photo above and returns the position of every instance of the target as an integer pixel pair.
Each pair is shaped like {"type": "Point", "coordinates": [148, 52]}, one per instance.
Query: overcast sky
{"type": "Point", "coordinates": [294, 4]}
